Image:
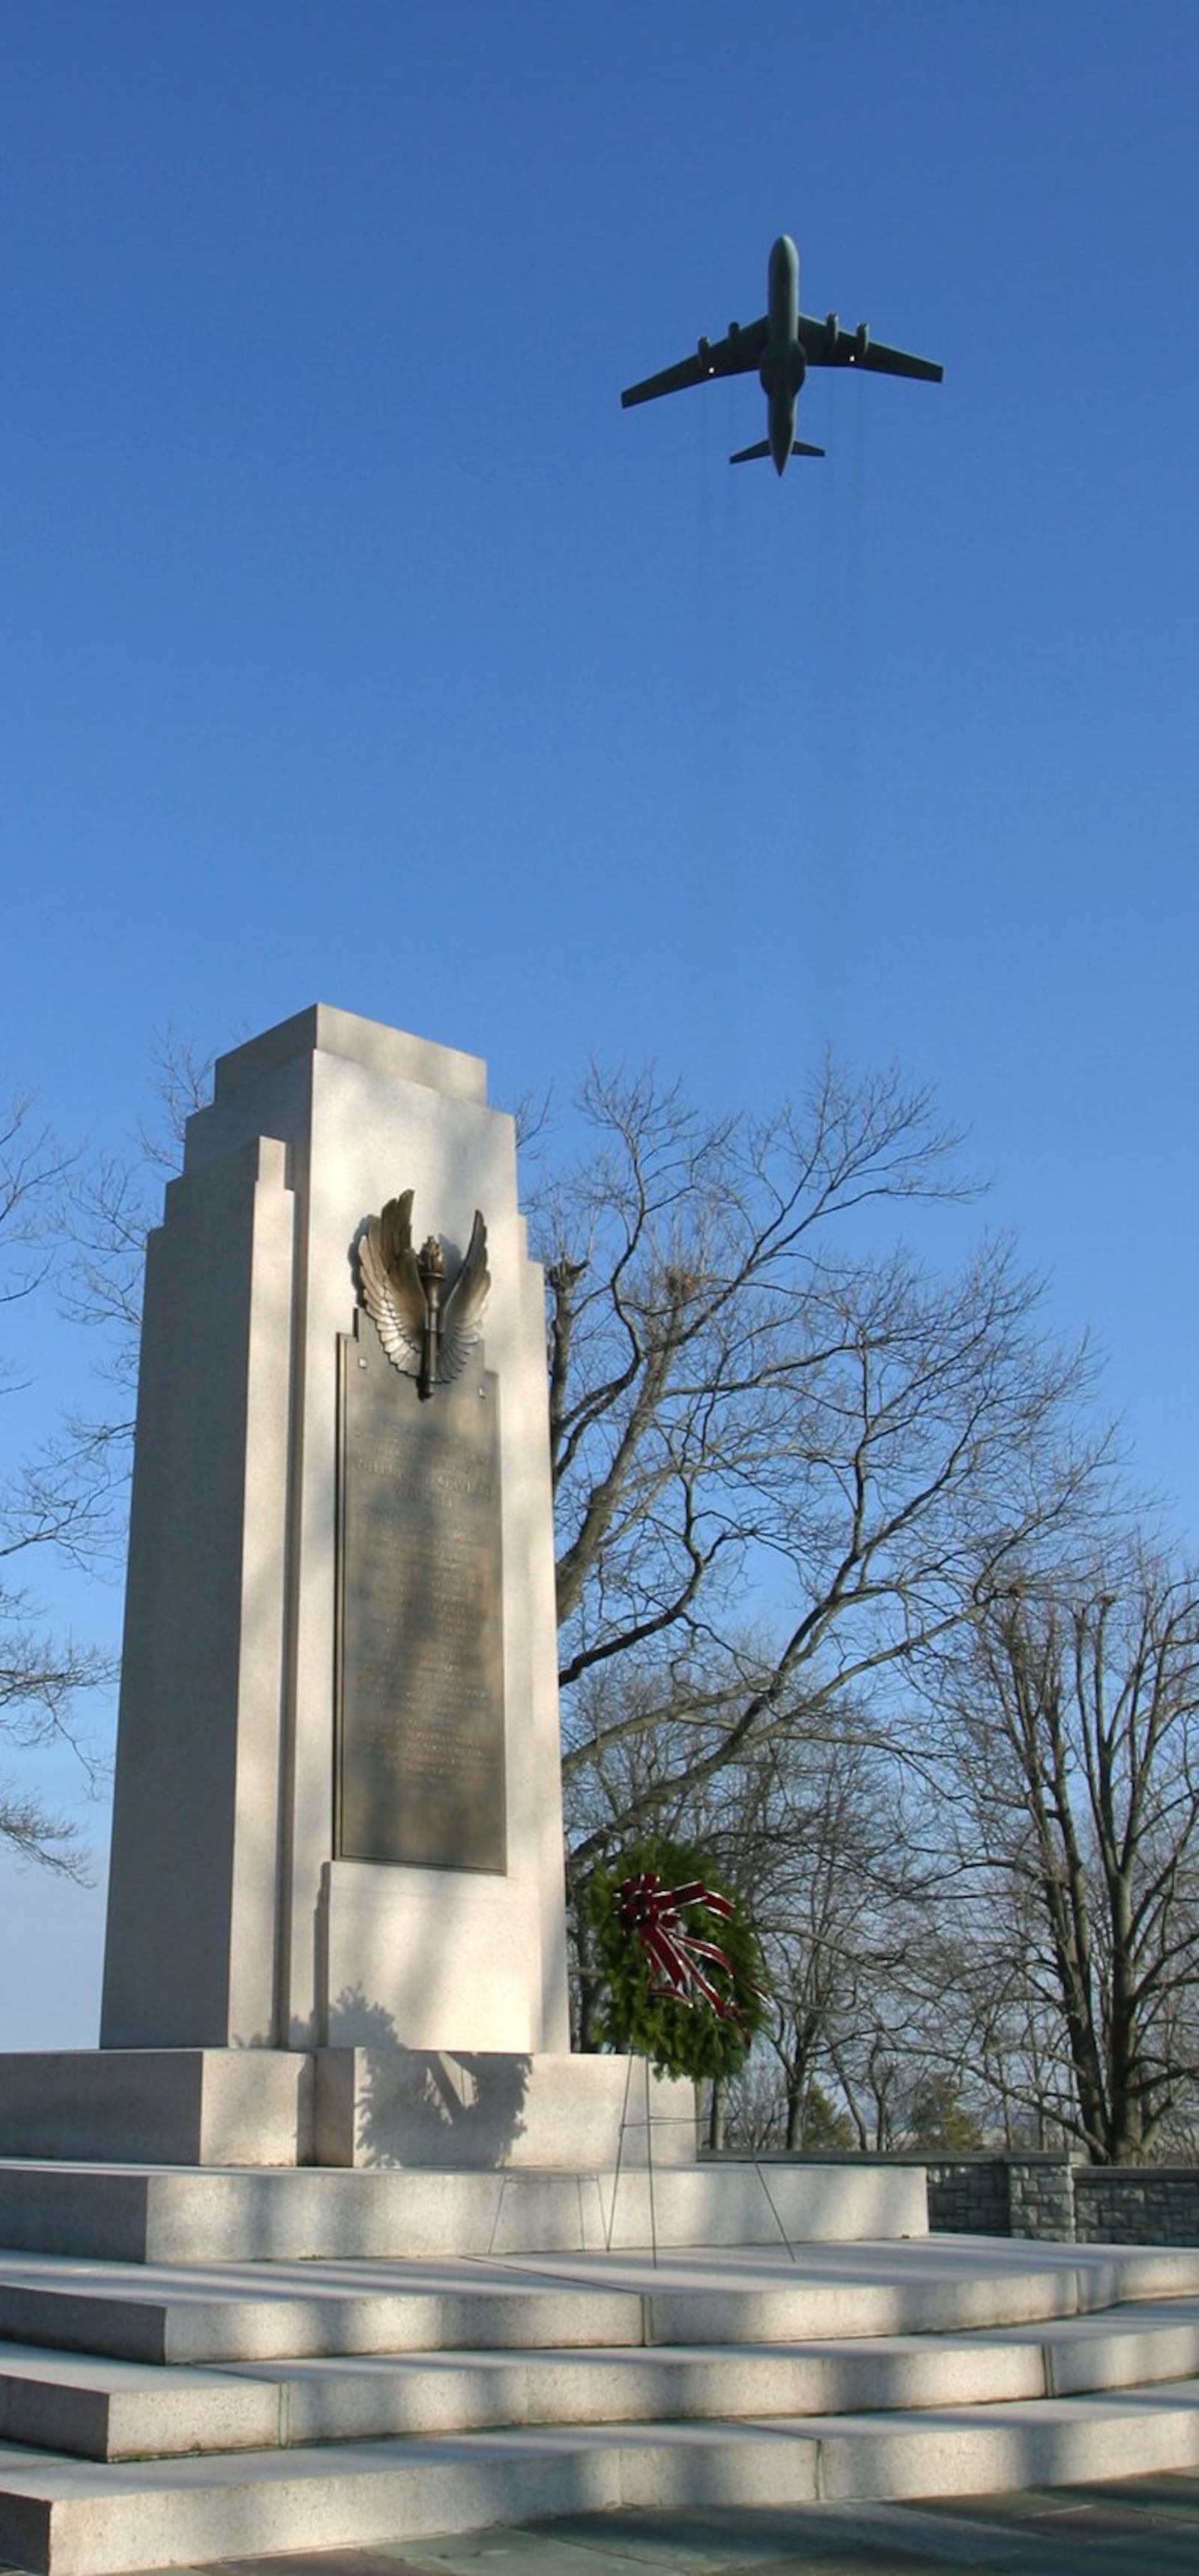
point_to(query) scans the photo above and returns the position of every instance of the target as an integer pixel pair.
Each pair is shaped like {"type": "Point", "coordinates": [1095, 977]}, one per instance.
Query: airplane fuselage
{"type": "Point", "coordinates": [782, 370]}
{"type": "Point", "coordinates": [780, 345]}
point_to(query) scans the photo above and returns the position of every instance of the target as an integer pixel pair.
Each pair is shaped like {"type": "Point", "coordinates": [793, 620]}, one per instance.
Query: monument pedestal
{"type": "Point", "coordinates": [481, 2112]}
{"type": "Point", "coordinates": [169, 2106]}
{"type": "Point", "coordinates": [381, 2109]}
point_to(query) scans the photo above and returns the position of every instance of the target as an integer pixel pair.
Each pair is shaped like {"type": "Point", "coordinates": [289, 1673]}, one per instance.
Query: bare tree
{"type": "Point", "coordinates": [1072, 1754]}
{"type": "Point", "coordinates": [785, 1459]}
{"type": "Point", "coordinates": [78, 1483]}
{"type": "Point", "coordinates": [40, 1675]}
{"type": "Point", "coordinates": [844, 1906]}
{"type": "Point", "coordinates": [68, 1496]}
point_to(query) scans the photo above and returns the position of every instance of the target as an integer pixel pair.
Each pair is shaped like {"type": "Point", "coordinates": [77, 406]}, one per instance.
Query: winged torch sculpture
{"type": "Point", "coordinates": [425, 1331]}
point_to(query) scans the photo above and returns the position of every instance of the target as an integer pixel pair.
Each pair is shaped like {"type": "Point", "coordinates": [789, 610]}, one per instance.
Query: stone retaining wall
{"type": "Point", "coordinates": [1002, 2196]}
{"type": "Point", "coordinates": [969, 2197]}
{"type": "Point", "coordinates": [1136, 2204]}
{"type": "Point", "coordinates": [1044, 2197]}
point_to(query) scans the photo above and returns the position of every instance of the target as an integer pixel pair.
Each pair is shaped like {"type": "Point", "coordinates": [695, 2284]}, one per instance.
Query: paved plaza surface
{"type": "Point", "coordinates": [1134, 2527]}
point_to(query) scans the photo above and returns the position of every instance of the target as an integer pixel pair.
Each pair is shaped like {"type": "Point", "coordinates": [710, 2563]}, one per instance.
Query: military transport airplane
{"type": "Point", "coordinates": [782, 346]}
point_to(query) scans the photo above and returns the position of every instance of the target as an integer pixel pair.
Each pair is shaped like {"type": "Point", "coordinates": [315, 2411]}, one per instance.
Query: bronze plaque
{"type": "Point", "coordinates": [420, 1678]}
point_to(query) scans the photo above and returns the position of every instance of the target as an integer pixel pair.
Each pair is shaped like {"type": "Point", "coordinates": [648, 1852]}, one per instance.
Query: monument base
{"type": "Point", "coordinates": [172, 2106]}
{"type": "Point", "coordinates": [483, 2112]}
{"type": "Point", "coordinates": [380, 2108]}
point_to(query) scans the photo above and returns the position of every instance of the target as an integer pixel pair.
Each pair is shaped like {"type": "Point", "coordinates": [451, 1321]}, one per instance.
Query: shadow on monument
{"type": "Point", "coordinates": [428, 2106]}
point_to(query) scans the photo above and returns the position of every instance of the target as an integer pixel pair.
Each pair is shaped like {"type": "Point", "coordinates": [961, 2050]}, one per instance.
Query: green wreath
{"type": "Point", "coordinates": [636, 2011]}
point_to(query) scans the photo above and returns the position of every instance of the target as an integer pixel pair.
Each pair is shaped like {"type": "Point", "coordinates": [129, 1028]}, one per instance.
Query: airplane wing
{"type": "Point", "coordinates": [825, 344]}
{"type": "Point", "coordinates": [735, 355]}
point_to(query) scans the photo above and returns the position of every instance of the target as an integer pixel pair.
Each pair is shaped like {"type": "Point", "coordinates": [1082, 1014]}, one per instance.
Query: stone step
{"type": "Point", "coordinates": [374, 2396]}
{"type": "Point", "coordinates": [105, 2408]}
{"type": "Point", "coordinates": [142, 2213]}
{"type": "Point", "coordinates": [985, 2450]}
{"type": "Point", "coordinates": [96, 2408]}
{"type": "Point", "coordinates": [62, 2517]}
{"type": "Point", "coordinates": [363, 2401]}
{"type": "Point", "coordinates": [209, 2314]}
{"type": "Point", "coordinates": [205, 2321]}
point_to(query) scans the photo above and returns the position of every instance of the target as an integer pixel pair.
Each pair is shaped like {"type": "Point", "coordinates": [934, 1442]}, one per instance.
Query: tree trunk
{"type": "Point", "coordinates": [717, 2109]}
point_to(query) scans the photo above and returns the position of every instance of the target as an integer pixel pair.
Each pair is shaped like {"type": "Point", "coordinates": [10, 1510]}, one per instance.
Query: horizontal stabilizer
{"type": "Point", "coordinates": [799, 447]}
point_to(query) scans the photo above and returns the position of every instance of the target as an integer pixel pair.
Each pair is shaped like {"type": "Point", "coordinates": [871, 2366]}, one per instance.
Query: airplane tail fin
{"type": "Point", "coordinates": [799, 447]}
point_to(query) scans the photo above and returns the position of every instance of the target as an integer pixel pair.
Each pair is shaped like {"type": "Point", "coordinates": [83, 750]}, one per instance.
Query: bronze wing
{"type": "Point", "coordinates": [392, 1289]}
{"type": "Point", "coordinates": [462, 1314]}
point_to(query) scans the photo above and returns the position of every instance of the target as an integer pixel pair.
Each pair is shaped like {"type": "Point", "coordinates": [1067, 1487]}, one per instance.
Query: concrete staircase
{"type": "Point", "coordinates": [207, 2364]}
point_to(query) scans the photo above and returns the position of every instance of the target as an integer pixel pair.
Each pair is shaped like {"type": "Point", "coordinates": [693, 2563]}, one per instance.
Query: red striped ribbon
{"type": "Point", "coordinates": [673, 1953]}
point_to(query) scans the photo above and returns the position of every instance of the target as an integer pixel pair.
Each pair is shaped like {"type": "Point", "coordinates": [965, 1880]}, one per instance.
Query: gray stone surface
{"type": "Point", "coordinates": [226, 2309]}
{"type": "Point", "coordinates": [1137, 2205]}
{"type": "Point", "coordinates": [234, 1917]}
{"type": "Point", "coordinates": [109, 2409]}
{"type": "Point", "coordinates": [392, 2107]}
{"type": "Point", "coordinates": [1053, 2198]}
{"type": "Point", "coordinates": [1149, 2524]}
{"type": "Point", "coordinates": [1041, 2200]}
{"type": "Point", "coordinates": [191, 1956]}
{"type": "Point", "coordinates": [372, 2107]}
{"type": "Point", "coordinates": [177, 2106]}
{"type": "Point", "coordinates": [968, 2196]}
{"type": "Point", "coordinates": [1004, 2195]}
{"type": "Point", "coordinates": [130, 2213]}
{"type": "Point", "coordinates": [395, 2398]}
{"type": "Point", "coordinates": [82, 2519]}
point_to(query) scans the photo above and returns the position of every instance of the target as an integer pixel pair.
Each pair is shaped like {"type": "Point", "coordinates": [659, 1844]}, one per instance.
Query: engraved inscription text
{"type": "Point", "coordinates": [420, 1665]}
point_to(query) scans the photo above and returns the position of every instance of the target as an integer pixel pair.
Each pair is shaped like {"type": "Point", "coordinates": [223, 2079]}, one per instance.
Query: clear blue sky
{"type": "Point", "coordinates": [357, 647]}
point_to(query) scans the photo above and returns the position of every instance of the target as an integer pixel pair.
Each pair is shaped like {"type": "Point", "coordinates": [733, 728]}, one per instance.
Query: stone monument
{"type": "Point", "coordinates": [336, 1922]}
{"type": "Point", "coordinates": [338, 1811]}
